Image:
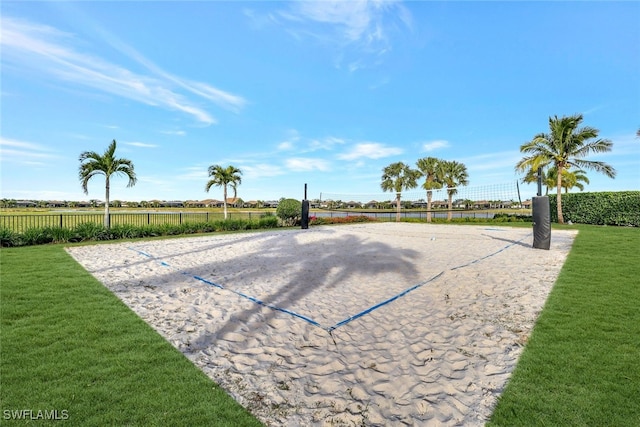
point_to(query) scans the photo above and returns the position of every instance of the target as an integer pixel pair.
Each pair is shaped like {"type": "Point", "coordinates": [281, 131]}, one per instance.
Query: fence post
{"type": "Point", "coordinates": [60, 220]}
{"type": "Point", "coordinates": [180, 217]}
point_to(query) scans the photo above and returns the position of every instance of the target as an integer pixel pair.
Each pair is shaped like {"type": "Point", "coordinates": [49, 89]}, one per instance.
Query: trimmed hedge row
{"type": "Point", "coordinates": [90, 231]}
{"type": "Point", "coordinates": [601, 208]}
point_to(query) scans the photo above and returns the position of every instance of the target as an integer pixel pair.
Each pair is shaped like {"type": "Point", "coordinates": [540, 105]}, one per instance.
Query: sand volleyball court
{"type": "Point", "coordinates": [367, 324]}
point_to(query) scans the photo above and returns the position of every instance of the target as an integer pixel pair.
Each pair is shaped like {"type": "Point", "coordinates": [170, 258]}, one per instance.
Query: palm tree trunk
{"type": "Point", "coordinates": [398, 207]}
{"type": "Point", "coordinates": [429, 195]}
{"type": "Point", "coordinates": [449, 212]}
{"type": "Point", "coordinates": [107, 222]}
{"type": "Point", "coordinates": [559, 195]}
{"type": "Point", "coordinates": [225, 202]}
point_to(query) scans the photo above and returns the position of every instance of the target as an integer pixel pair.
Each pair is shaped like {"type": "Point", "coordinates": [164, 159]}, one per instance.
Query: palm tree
{"type": "Point", "coordinates": [532, 177]}
{"type": "Point", "coordinates": [92, 164]}
{"type": "Point", "coordinates": [431, 169]}
{"type": "Point", "coordinates": [223, 177]}
{"type": "Point", "coordinates": [566, 145]}
{"type": "Point", "coordinates": [454, 174]}
{"type": "Point", "coordinates": [398, 177]}
{"type": "Point", "coordinates": [569, 179]}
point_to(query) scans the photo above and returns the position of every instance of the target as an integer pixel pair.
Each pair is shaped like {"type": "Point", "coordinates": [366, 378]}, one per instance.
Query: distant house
{"type": "Point", "coordinates": [235, 202]}
{"type": "Point", "coordinates": [213, 203]}
{"type": "Point", "coordinates": [195, 204]}
{"type": "Point", "coordinates": [271, 204]}
{"type": "Point", "coordinates": [25, 204]}
{"type": "Point", "coordinates": [172, 204]}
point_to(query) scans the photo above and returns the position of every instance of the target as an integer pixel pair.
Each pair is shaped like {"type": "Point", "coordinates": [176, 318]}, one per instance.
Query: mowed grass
{"type": "Point", "coordinates": [581, 366]}
{"type": "Point", "coordinates": [68, 344]}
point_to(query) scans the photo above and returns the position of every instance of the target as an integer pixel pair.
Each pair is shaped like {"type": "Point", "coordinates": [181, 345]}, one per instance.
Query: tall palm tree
{"type": "Point", "coordinates": [92, 164]}
{"type": "Point", "coordinates": [454, 174]}
{"type": "Point", "coordinates": [566, 145]}
{"type": "Point", "coordinates": [398, 177]}
{"type": "Point", "coordinates": [431, 169]}
{"type": "Point", "coordinates": [223, 177]}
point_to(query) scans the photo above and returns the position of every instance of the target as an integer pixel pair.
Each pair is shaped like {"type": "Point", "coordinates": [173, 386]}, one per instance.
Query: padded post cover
{"type": "Point", "coordinates": [304, 220]}
{"type": "Point", "coordinates": [541, 222]}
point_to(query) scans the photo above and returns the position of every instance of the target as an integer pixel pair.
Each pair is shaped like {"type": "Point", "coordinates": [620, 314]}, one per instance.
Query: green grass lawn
{"type": "Point", "coordinates": [68, 344]}
{"type": "Point", "coordinates": [581, 366]}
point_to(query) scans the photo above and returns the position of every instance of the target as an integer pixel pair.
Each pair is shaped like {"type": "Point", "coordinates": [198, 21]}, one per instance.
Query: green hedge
{"type": "Point", "coordinates": [602, 208]}
{"type": "Point", "coordinates": [91, 231]}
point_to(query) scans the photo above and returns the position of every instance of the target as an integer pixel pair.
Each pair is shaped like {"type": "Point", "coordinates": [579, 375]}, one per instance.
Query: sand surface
{"type": "Point", "coordinates": [369, 324]}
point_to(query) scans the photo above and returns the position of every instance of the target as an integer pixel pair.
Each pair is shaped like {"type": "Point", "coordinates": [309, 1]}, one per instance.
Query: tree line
{"type": "Point", "coordinates": [558, 156]}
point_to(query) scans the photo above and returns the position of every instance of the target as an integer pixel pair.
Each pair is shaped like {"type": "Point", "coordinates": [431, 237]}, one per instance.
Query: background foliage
{"type": "Point", "coordinates": [289, 211]}
{"type": "Point", "coordinates": [602, 208]}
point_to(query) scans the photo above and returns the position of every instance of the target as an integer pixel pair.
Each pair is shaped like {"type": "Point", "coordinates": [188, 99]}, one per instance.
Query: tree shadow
{"type": "Point", "coordinates": [321, 268]}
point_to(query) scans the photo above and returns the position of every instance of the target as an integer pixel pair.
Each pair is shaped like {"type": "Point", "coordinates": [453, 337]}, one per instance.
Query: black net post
{"type": "Point", "coordinates": [304, 219]}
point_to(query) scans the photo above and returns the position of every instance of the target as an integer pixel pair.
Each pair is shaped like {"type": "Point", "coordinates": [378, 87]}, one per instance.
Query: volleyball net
{"type": "Point", "coordinates": [492, 196]}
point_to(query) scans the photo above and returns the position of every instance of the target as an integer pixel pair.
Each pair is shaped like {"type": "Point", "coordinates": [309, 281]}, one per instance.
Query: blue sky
{"type": "Point", "coordinates": [324, 93]}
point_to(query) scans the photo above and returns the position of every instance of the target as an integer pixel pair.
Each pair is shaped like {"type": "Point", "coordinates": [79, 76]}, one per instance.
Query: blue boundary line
{"type": "Point", "coordinates": [249, 297]}
{"type": "Point", "coordinates": [374, 307]}
{"type": "Point", "coordinates": [342, 322]}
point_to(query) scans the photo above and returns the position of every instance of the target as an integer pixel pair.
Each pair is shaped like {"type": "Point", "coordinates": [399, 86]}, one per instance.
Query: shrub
{"type": "Point", "coordinates": [89, 231]}
{"type": "Point", "coordinates": [599, 208]}
{"type": "Point", "coordinates": [268, 221]}
{"type": "Point", "coordinates": [341, 219]}
{"type": "Point", "coordinates": [289, 211]}
{"type": "Point", "coordinates": [36, 236]}
{"type": "Point", "coordinates": [8, 238]}
{"type": "Point", "coordinates": [59, 235]}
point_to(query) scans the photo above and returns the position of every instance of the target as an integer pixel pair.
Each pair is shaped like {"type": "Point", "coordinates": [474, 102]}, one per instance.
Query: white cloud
{"type": "Point", "coordinates": [434, 145]}
{"type": "Point", "coordinates": [174, 132]}
{"type": "Point", "coordinates": [305, 164]}
{"type": "Point", "coordinates": [326, 143]}
{"type": "Point", "coordinates": [285, 146]}
{"type": "Point", "coordinates": [355, 27]}
{"type": "Point", "coordinates": [370, 150]}
{"type": "Point", "coordinates": [504, 160]}
{"type": "Point", "coordinates": [23, 152]}
{"type": "Point", "coordinates": [45, 49]}
{"type": "Point", "coordinates": [141, 144]}
{"type": "Point", "coordinates": [260, 171]}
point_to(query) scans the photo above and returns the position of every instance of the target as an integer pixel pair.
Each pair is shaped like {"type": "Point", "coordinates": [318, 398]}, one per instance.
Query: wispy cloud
{"type": "Point", "coordinates": [47, 50]}
{"type": "Point", "coordinates": [356, 29]}
{"type": "Point", "coordinates": [292, 139]}
{"type": "Point", "coordinates": [23, 152]}
{"type": "Point", "coordinates": [370, 150]}
{"type": "Point", "coordinates": [504, 160]}
{"type": "Point", "coordinates": [326, 143]}
{"type": "Point", "coordinates": [174, 132]}
{"type": "Point", "coordinates": [141, 144]}
{"type": "Point", "coordinates": [261, 170]}
{"type": "Point", "coordinates": [434, 145]}
{"type": "Point", "coordinates": [305, 164]}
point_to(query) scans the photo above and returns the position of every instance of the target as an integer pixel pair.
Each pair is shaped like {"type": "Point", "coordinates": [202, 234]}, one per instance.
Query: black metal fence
{"type": "Point", "coordinates": [420, 215]}
{"type": "Point", "coordinates": [19, 223]}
